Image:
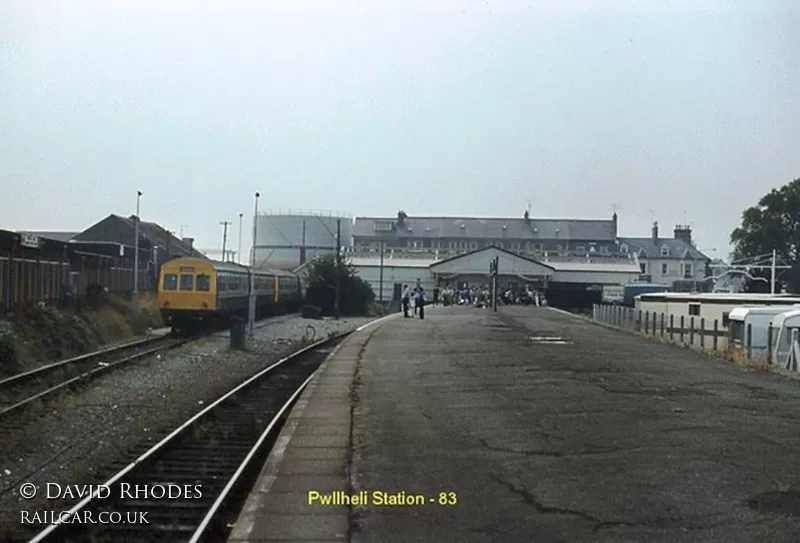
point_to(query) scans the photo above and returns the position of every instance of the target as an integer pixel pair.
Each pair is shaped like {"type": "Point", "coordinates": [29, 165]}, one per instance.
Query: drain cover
{"type": "Point", "coordinates": [779, 503]}
{"type": "Point", "coordinates": [552, 340]}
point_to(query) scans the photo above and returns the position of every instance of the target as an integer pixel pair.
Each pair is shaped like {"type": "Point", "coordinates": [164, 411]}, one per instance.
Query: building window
{"type": "Point", "coordinates": [623, 248]}
{"type": "Point", "coordinates": [664, 268]}
{"type": "Point", "coordinates": [664, 250]}
{"type": "Point", "coordinates": [643, 267]}
{"type": "Point", "coordinates": [687, 270]}
{"type": "Point", "coordinates": [580, 248]}
{"type": "Point", "coordinates": [694, 310]}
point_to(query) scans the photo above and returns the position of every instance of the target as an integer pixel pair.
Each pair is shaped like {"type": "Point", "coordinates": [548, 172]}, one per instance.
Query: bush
{"type": "Point", "coordinates": [378, 309]}
{"type": "Point", "coordinates": [356, 295]}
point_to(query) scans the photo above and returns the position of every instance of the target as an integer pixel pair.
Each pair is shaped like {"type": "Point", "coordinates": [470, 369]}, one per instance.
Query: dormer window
{"type": "Point", "coordinates": [623, 248]}
{"type": "Point", "coordinates": [665, 250]}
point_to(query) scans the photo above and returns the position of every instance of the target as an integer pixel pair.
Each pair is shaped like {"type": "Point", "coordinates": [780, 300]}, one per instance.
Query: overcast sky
{"type": "Point", "coordinates": [685, 112]}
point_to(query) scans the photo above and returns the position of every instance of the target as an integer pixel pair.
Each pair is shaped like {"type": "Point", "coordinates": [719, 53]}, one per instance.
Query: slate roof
{"type": "Point", "coordinates": [678, 248]}
{"type": "Point", "coordinates": [490, 228]}
{"type": "Point", "coordinates": [159, 236]}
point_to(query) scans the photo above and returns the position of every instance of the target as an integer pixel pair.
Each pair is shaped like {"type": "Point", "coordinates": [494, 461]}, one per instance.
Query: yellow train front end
{"type": "Point", "coordinates": [187, 293]}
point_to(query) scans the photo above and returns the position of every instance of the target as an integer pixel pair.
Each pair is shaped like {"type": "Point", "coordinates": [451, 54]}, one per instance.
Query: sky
{"type": "Point", "coordinates": [678, 112]}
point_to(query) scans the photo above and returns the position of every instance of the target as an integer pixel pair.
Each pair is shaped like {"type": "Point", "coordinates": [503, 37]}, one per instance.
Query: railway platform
{"type": "Point", "coordinates": [529, 425]}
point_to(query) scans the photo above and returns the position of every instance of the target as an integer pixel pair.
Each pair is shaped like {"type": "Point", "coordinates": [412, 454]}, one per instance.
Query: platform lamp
{"type": "Point", "coordinates": [251, 317]}
{"type": "Point", "coordinates": [135, 295]}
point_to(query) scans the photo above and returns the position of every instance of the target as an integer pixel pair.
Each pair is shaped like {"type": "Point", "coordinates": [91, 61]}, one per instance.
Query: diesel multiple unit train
{"type": "Point", "coordinates": [196, 293]}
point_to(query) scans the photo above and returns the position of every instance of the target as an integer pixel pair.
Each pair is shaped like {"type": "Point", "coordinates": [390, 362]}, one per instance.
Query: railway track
{"type": "Point", "coordinates": [21, 390]}
{"type": "Point", "coordinates": [211, 461]}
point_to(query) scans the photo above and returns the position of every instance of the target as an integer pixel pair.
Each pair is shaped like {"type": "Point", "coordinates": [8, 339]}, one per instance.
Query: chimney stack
{"type": "Point", "coordinates": [683, 232]}
{"type": "Point", "coordinates": [655, 232]}
{"type": "Point", "coordinates": [401, 218]}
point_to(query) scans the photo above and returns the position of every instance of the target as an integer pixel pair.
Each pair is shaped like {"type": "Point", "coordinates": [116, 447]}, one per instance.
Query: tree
{"type": "Point", "coordinates": [356, 294]}
{"type": "Point", "coordinates": [773, 224]}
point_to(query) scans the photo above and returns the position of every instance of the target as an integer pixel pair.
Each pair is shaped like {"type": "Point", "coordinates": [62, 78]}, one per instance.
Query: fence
{"type": "Point", "coordinates": [688, 331]}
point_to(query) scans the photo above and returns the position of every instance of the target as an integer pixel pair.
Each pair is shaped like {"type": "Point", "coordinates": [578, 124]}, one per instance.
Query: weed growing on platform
{"type": "Point", "coordinates": [45, 334]}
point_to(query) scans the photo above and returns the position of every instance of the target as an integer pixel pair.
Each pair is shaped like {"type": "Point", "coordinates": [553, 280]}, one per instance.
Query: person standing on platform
{"type": "Point", "coordinates": [421, 302]}
{"type": "Point", "coordinates": [406, 300]}
{"type": "Point", "coordinates": [435, 296]}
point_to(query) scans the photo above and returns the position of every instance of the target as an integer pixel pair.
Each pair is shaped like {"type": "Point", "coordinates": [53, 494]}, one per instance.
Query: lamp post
{"type": "Point", "coordinates": [251, 309]}
{"type": "Point", "coordinates": [239, 259]}
{"type": "Point", "coordinates": [135, 296]}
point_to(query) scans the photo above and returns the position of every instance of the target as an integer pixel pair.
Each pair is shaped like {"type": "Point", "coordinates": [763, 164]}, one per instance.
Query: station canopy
{"type": "Point", "coordinates": [476, 263]}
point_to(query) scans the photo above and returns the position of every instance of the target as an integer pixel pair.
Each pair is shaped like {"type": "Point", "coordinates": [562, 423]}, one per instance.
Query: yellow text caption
{"type": "Point", "coordinates": [380, 498]}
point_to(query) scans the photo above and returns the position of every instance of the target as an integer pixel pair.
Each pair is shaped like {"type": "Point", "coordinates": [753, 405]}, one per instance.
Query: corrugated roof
{"type": "Point", "coordinates": [392, 262]}
{"type": "Point", "coordinates": [57, 236]}
{"type": "Point", "coordinates": [622, 267]}
{"type": "Point", "coordinates": [490, 228]}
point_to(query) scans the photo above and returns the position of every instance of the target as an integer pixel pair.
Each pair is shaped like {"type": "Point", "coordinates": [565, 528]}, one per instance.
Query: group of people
{"type": "Point", "coordinates": [415, 298]}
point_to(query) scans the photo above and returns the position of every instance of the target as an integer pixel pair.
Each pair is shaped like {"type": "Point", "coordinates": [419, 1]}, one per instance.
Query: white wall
{"type": "Point", "coordinates": [392, 275]}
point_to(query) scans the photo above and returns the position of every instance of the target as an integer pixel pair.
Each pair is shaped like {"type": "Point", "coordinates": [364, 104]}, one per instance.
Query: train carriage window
{"type": "Point", "coordinates": [204, 283]}
{"type": "Point", "coordinates": [170, 281]}
{"type": "Point", "coordinates": [187, 282]}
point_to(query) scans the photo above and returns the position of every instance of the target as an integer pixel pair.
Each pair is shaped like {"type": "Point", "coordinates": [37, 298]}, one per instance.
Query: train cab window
{"type": "Point", "coordinates": [187, 281]}
{"type": "Point", "coordinates": [203, 283]}
{"type": "Point", "coordinates": [170, 281]}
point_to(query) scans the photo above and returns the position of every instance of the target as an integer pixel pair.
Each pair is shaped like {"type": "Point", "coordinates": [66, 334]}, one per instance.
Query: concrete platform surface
{"type": "Point", "coordinates": [531, 425]}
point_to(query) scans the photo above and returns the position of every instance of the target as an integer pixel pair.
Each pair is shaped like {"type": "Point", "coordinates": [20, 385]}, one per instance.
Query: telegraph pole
{"type": "Point", "coordinates": [225, 225]}
{"type": "Point", "coordinates": [338, 266]}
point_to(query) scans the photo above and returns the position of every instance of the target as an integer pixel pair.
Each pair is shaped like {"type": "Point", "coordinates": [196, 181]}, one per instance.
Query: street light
{"type": "Point", "coordinates": [135, 297]}
{"type": "Point", "coordinates": [239, 259]}
{"type": "Point", "coordinates": [252, 298]}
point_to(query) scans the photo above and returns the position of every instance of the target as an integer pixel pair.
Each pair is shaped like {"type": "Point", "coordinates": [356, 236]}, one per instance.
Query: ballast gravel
{"type": "Point", "coordinates": [78, 438]}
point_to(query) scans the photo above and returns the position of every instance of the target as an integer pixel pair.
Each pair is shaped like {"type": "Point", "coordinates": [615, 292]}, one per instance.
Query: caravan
{"type": "Point", "coordinates": [760, 320]}
{"type": "Point", "coordinates": [785, 346]}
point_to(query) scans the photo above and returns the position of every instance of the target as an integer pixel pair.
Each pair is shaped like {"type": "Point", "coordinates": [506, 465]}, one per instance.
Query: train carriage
{"type": "Point", "coordinates": [194, 293]}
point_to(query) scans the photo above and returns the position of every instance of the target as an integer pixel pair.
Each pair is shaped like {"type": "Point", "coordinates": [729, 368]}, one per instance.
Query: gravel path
{"type": "Point", "coordinates": [87, 431]}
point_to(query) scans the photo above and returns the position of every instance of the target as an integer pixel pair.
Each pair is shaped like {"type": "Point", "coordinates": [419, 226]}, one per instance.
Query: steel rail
{"type": "Point", "coordinates": [34, 372]}
{"type": "Point", "coordinates": [93, 372]}
{"type": "Point", "coordinates": [162, 445]}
